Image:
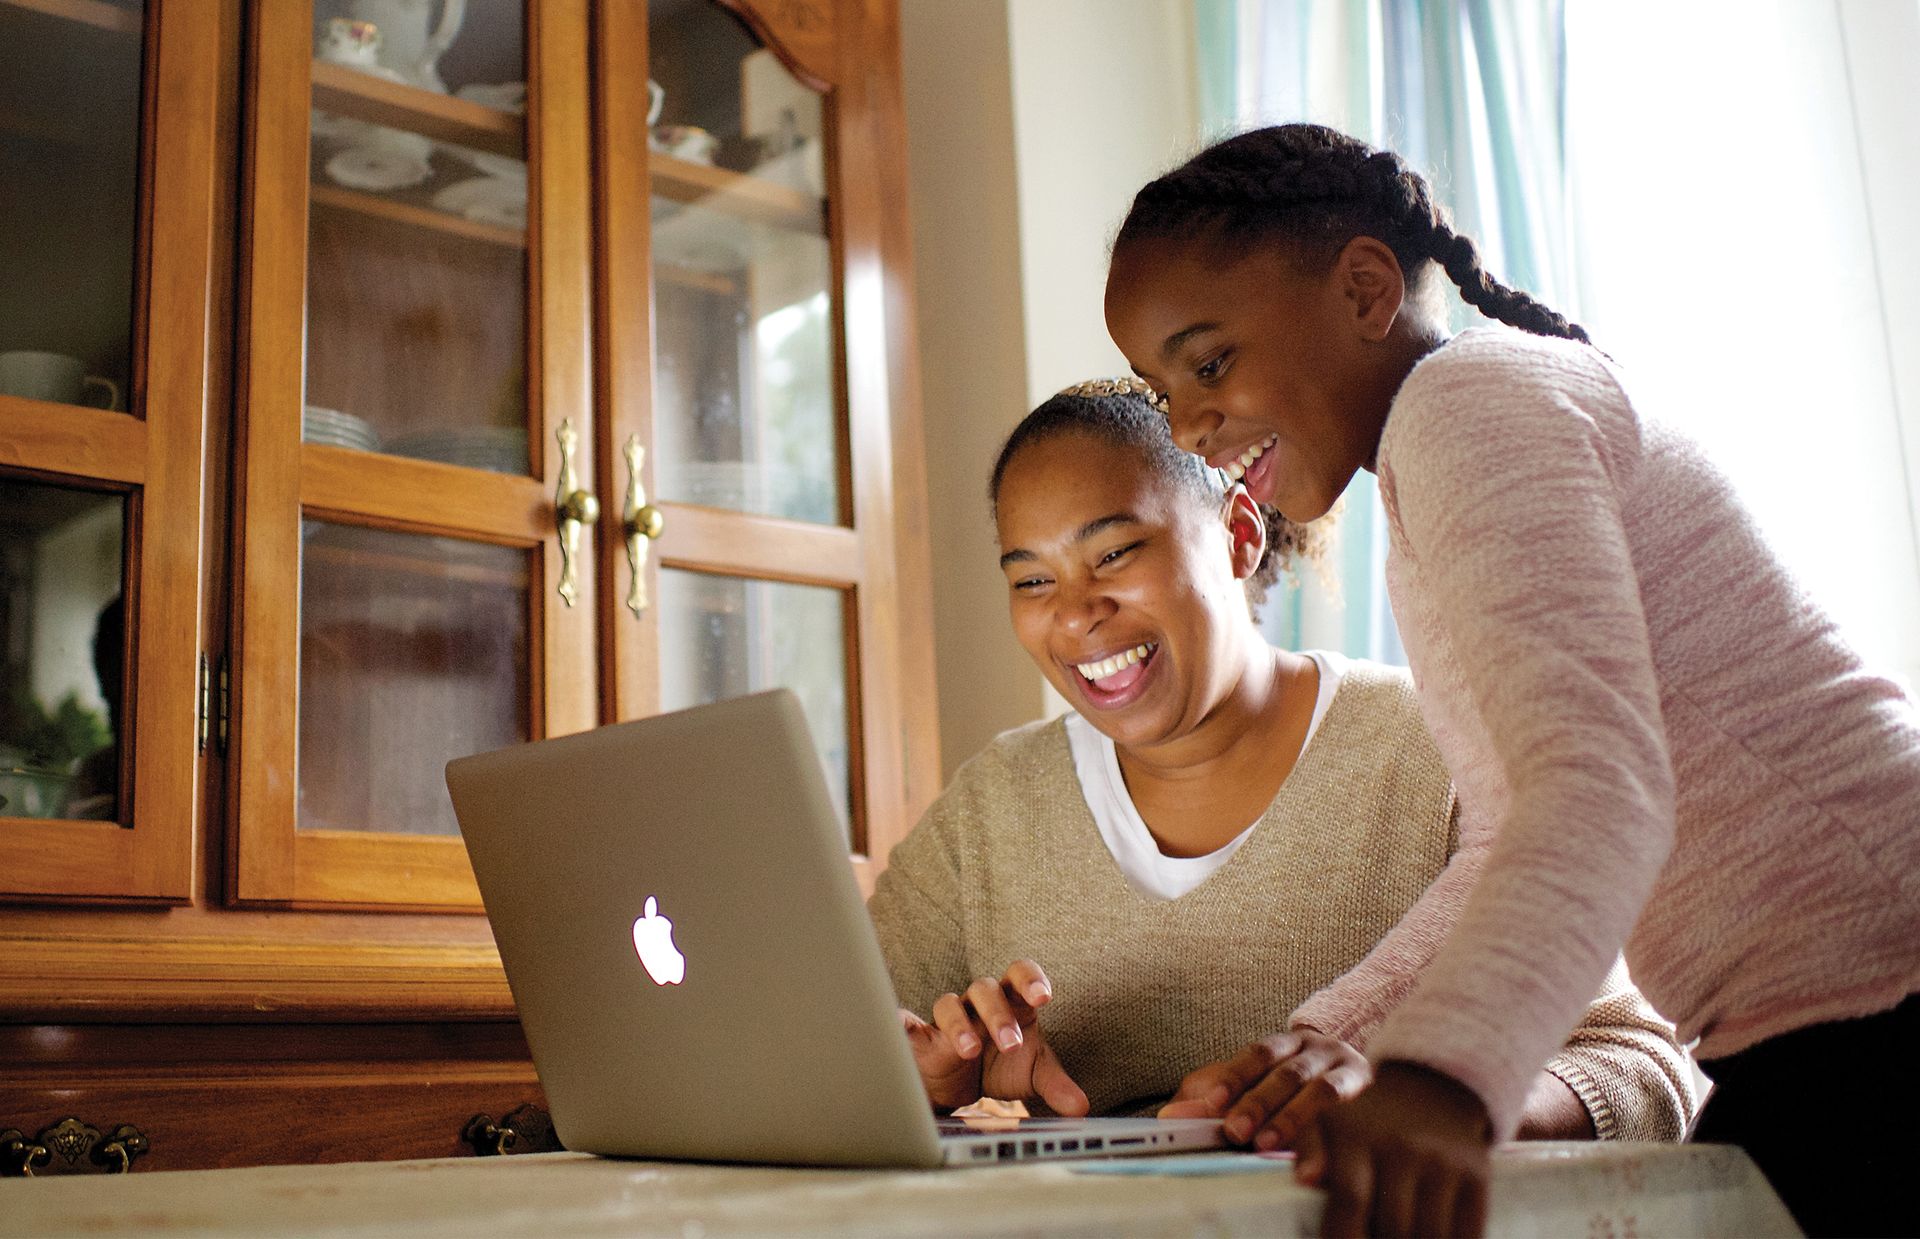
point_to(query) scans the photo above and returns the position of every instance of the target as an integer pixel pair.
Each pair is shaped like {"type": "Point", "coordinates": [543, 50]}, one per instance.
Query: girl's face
{"type": "Point", "coordinates": [1266, 369]}
{"type": "Point", "coordinates": [1124, 589]}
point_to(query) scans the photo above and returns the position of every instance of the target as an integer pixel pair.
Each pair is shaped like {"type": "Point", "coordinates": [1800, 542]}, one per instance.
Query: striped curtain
{"type": "Point", "coordinates": [1471, 93]}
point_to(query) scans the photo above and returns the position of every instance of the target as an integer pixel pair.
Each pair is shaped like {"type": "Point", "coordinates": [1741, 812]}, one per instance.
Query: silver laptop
{"type": "Point", "coordinates": [692, 962]}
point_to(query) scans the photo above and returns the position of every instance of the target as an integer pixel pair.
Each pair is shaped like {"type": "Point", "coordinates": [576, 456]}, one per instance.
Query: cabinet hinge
{"type": "Point", "coordinates": [211, 706]}
{"type": "Point", "coordinates": [202, 707]}
{"type": "Point", "coordinates": [225, 704]}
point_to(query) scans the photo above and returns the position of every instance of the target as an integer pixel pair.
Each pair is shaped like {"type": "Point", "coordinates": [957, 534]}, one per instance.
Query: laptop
{"type": "Point", "coordinates": [693, 964]}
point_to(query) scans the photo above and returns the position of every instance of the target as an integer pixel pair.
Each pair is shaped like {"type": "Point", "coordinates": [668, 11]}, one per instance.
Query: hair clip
{"type": "Point", "coordinates": [1124, 386]}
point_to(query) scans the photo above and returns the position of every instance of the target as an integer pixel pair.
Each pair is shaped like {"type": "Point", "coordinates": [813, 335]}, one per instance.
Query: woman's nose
{"type": "Point", "coordinates": [1079, 608]}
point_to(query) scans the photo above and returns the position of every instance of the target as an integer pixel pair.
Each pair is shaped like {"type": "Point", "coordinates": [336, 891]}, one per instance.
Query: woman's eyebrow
{"type": "Point", "coordinates": [1096, 527]}
{"type": "Point", "coordinates": [1092, 528]}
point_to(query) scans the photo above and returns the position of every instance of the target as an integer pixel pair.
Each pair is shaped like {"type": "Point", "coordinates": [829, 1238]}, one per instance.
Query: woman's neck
{"type": "Point", "coordinates": [1197, 792]}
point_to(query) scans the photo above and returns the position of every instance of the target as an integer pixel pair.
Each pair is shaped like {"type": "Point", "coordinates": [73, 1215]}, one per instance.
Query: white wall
{"type": "Point", "coordinates": [1030, 125]}
{"type": "Point", "coordinates": [1744, 210]}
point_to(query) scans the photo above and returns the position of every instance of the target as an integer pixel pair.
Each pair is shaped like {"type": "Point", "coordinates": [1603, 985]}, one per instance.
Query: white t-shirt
{"type": "Point", "coordinates": [1149, 870]}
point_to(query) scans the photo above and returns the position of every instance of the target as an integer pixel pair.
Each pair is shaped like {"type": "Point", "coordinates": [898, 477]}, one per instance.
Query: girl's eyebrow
{"type": "Point", "coordinates": [1175, 342]}
{"type": "Point", "coordinates": [1091, 529]}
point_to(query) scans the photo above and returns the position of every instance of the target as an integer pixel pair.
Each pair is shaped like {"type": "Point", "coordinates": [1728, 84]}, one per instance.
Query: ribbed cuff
{"type": "Point", "coordinates": [1606, 1125]}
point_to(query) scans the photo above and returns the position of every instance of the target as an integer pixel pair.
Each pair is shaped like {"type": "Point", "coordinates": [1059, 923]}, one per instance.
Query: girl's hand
{"type": "Point", "coordinates": [988, 1043]}
{"type": "Point", "coordinates": [1270, 1091]}
{"type": "Point", "coordinates": [1408, 1157]}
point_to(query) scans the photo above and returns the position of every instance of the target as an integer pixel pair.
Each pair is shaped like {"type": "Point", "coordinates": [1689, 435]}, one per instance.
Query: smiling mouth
{"type": "Point", "coordinates": [1109, 679]}
{"type": "Point", "coordinates": [1236, 468]}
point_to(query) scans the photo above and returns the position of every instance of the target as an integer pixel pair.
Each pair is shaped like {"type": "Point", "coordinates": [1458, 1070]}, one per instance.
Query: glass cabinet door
{"type": "Point", "coordinates": [101, 438]}
{"type": "Point", "coordinates": [416, 581]}
{"type": "Point", "coordinates": [747, 414]}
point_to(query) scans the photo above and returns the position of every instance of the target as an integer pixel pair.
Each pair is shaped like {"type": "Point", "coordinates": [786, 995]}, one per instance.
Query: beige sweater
{"type": "Point", "coordinates": [1008, 864]}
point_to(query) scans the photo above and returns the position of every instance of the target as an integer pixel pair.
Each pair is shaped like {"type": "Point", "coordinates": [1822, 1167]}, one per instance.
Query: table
{"type": "Point", "coordinates": [1600, 1191]}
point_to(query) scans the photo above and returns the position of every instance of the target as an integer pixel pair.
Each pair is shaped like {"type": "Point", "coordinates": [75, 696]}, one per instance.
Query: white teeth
{"type": "Point", "coordinates": [1238, 468]}
{"type": "Point", "coordinates": [1107, 666]}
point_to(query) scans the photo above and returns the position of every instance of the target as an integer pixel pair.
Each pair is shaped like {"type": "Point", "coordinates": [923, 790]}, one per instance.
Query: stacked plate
{"type": "Point", "coordinates": [337, 429]}
{"type": "Point", "coordinates": [502, 449]}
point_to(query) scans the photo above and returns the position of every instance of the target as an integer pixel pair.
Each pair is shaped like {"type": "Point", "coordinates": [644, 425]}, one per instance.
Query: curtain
{"type": "Point", "coordinates": [1471, 93]}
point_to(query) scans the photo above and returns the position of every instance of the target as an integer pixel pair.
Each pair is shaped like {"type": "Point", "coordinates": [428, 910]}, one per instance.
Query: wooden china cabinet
{"type": "Point", "coordinates": [383, 381]}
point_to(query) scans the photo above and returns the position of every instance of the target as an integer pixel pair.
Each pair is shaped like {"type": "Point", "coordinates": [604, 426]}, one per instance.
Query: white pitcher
{"type": "Point", "coordinates": [410, 44]}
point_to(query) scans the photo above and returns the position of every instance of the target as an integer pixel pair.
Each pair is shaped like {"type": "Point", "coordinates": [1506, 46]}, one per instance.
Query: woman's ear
{"type": "Point", "coordinates": [1246, 532]}
{"type": "Point", "coordinates": [1368, 277]}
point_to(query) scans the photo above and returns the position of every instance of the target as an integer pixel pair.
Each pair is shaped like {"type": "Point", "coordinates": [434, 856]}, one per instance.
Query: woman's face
{"type": "Point", "coordinates": [1125, 588]}
{"type": "Point", "coordinates": [1258, 357]}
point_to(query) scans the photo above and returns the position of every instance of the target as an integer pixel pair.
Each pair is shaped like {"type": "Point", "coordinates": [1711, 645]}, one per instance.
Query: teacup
{"type": "Point", "coordinates": [350, 42]}
{"type": "Point", "coordinates": [688, 142]}
{"type": "Point", "coordinates": [55, 377]}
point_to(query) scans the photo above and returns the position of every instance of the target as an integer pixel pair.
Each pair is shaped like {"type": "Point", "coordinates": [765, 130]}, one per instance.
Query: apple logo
{"type": "Point", "coordinates": [653, 939]}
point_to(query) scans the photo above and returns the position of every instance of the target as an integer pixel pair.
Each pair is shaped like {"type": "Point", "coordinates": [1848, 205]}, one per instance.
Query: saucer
{"type": "Point", "coordinates": [500, 201]}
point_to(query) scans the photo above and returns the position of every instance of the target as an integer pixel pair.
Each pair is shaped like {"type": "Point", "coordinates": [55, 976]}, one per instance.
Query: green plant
{"type": "Point", "coordinates": [59, 739]}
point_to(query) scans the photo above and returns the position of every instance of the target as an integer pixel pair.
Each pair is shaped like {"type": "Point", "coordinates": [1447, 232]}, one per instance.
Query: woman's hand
{"type": "Point", "coordinates": [988, 1042]}
{"type": "Point", "coordinates": [1270, 1091]}
{"type": "Point", "coordinates": [1408, 1157]}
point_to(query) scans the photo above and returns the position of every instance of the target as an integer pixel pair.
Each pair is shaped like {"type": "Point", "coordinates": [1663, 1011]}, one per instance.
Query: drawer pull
{"type": "Point", "coordinates": [524, 1129]}
{"type": "Point", "coordinates": [71, 1147]}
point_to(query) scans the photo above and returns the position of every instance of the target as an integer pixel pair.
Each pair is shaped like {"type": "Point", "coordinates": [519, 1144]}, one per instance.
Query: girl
{"type": "Point", "coordinates": [1115, 846]}
{"type": "Point", "coordinates": [1669, 747]}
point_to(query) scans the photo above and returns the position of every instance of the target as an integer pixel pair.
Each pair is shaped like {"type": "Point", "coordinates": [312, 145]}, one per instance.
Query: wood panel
{"type": "Point", "coordinates": [261, 1095]}
{"type": "Point", "coordinates": [158, 450]}
{"type": "Point", "coordinates": [455, 326]}
{"type": "Point", "coordinates": [765, 547]}
{"type": "Point", "coordinates": [265, 647]}
{"type": "Point", "coordinates": [910, 567]}
{"type": "Point", "coordinates": [63, 975]}
{"type": "Point", "coordinates": [629, 643]}
{"type": "Point", "coordinates": [342, 91]}
{"type": "Point", "coordinates": [76, 442]}
{"type": "Point", "coordinates": [96, 13]}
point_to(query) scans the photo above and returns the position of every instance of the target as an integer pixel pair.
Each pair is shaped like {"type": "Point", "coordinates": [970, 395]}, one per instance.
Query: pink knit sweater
{"type": "Point", "coordinates": [1659, 741]}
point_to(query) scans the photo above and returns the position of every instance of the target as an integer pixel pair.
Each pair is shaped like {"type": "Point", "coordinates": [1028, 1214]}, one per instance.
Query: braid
{"type": "Point", "coordinates": [1319, 188]}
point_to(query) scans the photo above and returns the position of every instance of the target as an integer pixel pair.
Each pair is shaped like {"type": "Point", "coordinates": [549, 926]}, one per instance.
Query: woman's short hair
{"type": "Point", "coordinates": [1123, 412]}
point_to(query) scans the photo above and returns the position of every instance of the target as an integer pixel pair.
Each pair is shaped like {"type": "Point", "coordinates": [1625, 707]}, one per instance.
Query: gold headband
{"type": "Point", "coordinates": [1125, 386]}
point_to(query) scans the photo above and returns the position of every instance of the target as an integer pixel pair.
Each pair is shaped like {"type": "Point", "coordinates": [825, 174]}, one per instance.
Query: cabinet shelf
{"type": "Point", "coordinates": [338, 199]}
{"type": "Point", "coordinates": [734, 193]}
{"type": "Point", "coordinates": [332, 197]}
{"type": "Point", "coordinates": [96, 13]}
{"type": "Point", "coordinates": [341, 91]}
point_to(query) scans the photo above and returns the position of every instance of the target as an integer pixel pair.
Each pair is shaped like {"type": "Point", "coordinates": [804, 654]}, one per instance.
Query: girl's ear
{"type": "Point", "coordinates": [1368, 276]}
{"type": "Point", "coordinates": [1246, 532]}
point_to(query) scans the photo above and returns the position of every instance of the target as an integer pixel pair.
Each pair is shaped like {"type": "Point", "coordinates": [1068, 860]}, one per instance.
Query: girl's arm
{"type": "Point", "coordinates": [1504, 479]}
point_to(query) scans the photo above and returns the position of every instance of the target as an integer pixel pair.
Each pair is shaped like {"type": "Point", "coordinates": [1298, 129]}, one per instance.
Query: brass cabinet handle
{"type": "Point", "coordinates": [77, 1147]}
{"type": "Point", "coordinates": [525, 1128]}
{"type": "Point", "coordinates": [574, 507]}
{"type": "Point", "coordinates": [643, 522]}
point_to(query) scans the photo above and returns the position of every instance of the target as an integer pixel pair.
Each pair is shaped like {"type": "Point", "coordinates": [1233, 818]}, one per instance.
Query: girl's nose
{"type": "Point", "coordinates": [1192, 430]}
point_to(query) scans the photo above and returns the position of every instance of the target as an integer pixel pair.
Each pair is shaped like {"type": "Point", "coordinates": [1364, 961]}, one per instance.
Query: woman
{"type": "Point", "coordinates": [1661, 744]}
{"type": "Point", "coordinates": [1221, 829]}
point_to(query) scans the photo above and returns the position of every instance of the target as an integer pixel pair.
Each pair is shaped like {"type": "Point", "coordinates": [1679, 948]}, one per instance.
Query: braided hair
{"type": "Point", "coordinates": [1121, 412]}
{"type": "Point", "coordinates": [1319, 189]}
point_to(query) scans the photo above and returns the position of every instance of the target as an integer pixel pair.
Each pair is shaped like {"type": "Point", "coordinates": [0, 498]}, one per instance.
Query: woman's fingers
{"type": "Point", "coordinates": [951, 1017]}
{"type": "Point", "coordinates": [996, 1010]}
{"type": "Point", "coordinates": [1029, 981]}
{"type": "Point", "coordinates": [1055, 1086]}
